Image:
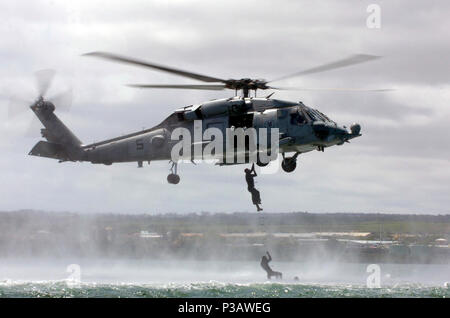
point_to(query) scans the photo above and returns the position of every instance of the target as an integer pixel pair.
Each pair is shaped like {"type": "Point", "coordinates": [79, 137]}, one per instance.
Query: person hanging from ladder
{"type": "Point", "coordinates": [250, 174]}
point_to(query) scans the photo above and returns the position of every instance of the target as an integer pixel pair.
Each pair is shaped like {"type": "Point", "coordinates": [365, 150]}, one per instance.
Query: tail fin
{"type": "Point", "coordinates": [62, 143]}
{"type": "Point", "coordinates": [49, 150]}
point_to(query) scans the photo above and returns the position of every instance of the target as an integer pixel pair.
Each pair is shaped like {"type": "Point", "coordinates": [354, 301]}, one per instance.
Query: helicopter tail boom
{"type": "Point", "coordinates": [61, 143]}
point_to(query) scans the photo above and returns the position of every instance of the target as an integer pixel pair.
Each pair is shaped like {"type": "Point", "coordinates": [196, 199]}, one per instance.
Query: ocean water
{"type": "Point", "coordinates": [211, 289]}
{"type": "Point", "coordinates": [175, 278]}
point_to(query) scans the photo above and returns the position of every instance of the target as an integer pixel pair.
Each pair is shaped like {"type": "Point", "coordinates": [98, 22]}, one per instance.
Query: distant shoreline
{"type": "Point", "coordinates": [296, 236]}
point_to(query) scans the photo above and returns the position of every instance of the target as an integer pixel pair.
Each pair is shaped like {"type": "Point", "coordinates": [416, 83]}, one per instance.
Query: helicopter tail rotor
{"type": "Point", "coordinates": [44, 79]}
{"type": "Point", "coordinates": [43, 82]}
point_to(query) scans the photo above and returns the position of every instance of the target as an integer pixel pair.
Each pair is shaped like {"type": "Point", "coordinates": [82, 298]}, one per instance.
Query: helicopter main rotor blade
{"type": "Point", "coordinates": [44, 79]}
{"type": "Point", "coordinates": [203, 87]}
{"type": "Point", "coordinates": [352, 60]}
{"type": "Point", "coordinates": [333, 89]}
{"type": "Point", "coordinates": [127, 60]}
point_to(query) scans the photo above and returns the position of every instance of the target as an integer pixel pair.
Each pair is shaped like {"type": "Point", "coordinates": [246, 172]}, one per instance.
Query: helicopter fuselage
{"type": "Point", "coordinates": [301, 129]}
{"type": "Point", "coordinates": [298, 129]}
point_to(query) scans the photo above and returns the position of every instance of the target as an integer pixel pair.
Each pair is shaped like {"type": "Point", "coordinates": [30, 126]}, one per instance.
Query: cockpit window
{"type": "Point", "coordinates": [319, 114]}
{"type": "Point", "coordinates": [298, 119]}
{"type": "Point", "coordinates": [316, 115]}
{"type": "Point", "coordinates": [326, 117]}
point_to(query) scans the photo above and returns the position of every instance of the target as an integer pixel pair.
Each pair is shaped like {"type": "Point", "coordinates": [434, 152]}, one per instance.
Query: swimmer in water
{"type": "Point", "coordinates": [265, 265]}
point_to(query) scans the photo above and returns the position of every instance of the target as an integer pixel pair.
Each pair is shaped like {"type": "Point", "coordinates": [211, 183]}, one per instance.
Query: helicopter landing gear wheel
{"type": "Point", "coordinates": [289, 164]}
{"type": "Point", "coordinates": [173, 177]}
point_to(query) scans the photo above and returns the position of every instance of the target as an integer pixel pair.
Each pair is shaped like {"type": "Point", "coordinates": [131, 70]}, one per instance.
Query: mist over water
{"type": "Point", "coordinates": [178, 278]}
{"type": "Point", "coordinates": [245, 272]}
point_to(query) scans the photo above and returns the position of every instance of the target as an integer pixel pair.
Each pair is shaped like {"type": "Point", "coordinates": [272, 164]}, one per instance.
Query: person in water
{"type": "Point", "coordinates": [265, 265]}
{"type": "Point", "coordinates": [250, 174]}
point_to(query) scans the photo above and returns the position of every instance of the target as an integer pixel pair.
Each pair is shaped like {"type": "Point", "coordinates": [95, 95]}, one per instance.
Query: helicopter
{"type": "Point", "coordinates": [300, 128]}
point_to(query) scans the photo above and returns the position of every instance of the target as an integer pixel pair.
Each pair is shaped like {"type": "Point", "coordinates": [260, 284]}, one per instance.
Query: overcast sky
{"type": "Point", "coordinates": [400, 164]}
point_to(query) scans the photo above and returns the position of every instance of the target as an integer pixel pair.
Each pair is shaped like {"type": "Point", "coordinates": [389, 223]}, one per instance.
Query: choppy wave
{"type": "Point", "coordinates": [127, 278]}
{"type": "Point", "coordinates": [58, 289]}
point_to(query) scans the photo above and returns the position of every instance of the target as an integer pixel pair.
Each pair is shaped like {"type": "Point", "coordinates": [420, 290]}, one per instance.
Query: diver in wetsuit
{"type": "Point", "coordinates": [250, 174]}
{"type": "Point", "coordinates": [265, 265]}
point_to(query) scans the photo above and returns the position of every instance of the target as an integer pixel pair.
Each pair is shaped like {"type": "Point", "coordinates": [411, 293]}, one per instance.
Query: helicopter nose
{"type": "Point", "coordinates": [321, 130]}
{"type": "Point", "coordinates": [355, 129]}
{"type": "Point", "coordinates": [338, 133]}
{"type": "Point", "coordinates": [341, 134]}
